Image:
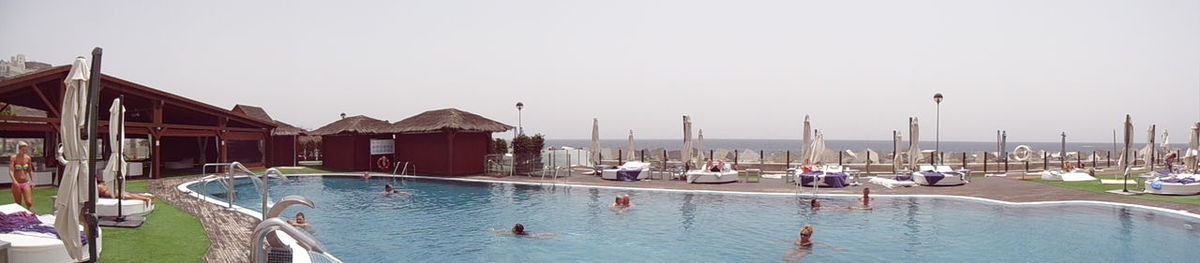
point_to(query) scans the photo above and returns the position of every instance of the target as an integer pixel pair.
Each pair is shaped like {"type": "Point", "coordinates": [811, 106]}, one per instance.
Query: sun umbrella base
{"type": "Point", "coordinates": [122, 222]}
{"type": "Point", "coordinates": [1122, 192]}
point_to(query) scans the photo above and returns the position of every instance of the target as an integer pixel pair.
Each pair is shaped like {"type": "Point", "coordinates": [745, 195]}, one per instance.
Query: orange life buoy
{"type": "Point", "coordinates": [383, 163]}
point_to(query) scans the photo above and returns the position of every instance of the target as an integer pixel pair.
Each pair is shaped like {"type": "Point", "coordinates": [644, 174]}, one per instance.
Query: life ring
{"type": "Point", "coordinates": [383, 163]}
{"type": "Point", "coordinates": [1022, 152]}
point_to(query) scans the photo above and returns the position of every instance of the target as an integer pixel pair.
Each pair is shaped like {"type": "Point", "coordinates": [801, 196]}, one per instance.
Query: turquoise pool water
{"type": "Point", "coordinates": [449, 221]}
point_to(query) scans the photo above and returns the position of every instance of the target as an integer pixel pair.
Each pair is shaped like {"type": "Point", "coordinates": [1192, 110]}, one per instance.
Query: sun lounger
{"type": "Point", "coordinates": [38, 247]}
{"type": "Point", "coordinates": [928, 175]}
{"type": "Point", "coordinates": [630, 171]}
{"type": "Point", "coordinates": [1181, 184]}
{"type": "Point", "coordinates": [1077, 175]}
{"type": "Point", "coordinates": [726, 175]}
{"type": "Point", "coordinates": [129, 207]}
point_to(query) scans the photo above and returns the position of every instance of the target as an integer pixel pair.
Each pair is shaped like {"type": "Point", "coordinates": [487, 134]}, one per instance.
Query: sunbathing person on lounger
{"type": "Point", "coordinates": [102, 190]}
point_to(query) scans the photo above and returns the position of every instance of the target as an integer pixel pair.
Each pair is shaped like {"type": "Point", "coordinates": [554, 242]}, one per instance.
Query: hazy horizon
{"type": "Point", "coordinates": [740, 69]}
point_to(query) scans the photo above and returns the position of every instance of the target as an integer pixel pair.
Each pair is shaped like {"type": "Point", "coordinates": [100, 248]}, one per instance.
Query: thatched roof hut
{"type": "Point", "coordinates": [447, 119]}
{"type": "Point", "coordinates": [353, 125]}
{"type": "Point", "coordinates": [281, 128]}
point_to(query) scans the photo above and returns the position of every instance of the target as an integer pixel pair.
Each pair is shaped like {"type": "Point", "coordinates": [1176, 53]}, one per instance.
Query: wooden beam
{"type": "Point", "coordinates": [53, 109]}
{"type": "Point", "coordinates": [36, 127]}
{"type": "Point", "coordinates": [28, 119]}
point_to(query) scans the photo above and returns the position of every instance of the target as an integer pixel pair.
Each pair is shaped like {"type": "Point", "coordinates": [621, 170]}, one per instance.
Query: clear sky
{"type": "Point", "coordinates": [741, 69]}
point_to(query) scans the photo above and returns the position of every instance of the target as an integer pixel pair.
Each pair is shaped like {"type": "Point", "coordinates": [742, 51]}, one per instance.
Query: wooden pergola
{"type": "Point", "coordinates": [152, 112]}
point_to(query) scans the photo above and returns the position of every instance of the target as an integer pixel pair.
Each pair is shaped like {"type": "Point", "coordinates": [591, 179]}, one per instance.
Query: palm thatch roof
{"type": "Point", "coordinates": [281, 128]}
{"type": "Point", "coordinates": [447, 119]}
{"type": "Point", "coordinates": [353, 125]}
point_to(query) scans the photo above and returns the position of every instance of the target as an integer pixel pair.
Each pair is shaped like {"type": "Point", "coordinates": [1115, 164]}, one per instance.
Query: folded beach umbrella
{"type": "Point", "coordinates": [817, 149]}
{"type": "Point", "coordinates": [595, 150]}
{"type": "Point", "coordinates": [116, 134]}
{"type": "Point", "coordinates": [685, 154]}
{"type": "Point", "coordinates": [629, 148]}
{"type": "Point", "coordinates": [700, 144]}
{"type": "Point", "coordinates": [914, 146]}
{"type": "Point", "coordinates": [74, 150]}
{"type": "Point", "coordinates": [807, 140]}
{"type": "Point", "coordinates": [1149, 154]}
{"type": "Point", "coordinates": [896, 160]}
{"type": "Point", "coordinates": [1166, 143]}
{"type": "Point", "coordinates": [1193, 151]}
{"type": "Point", "coordinates": [1127, 139]}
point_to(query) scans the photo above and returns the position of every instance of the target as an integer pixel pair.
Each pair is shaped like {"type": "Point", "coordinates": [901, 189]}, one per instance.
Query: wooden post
{"type": "Point", "coordinates": [788, 159]}
{"type": "Point", "coordinates": [1005, 156]}
{"type": "Point", "coordinates": [735, 157]}
{"type": "Point", "coordinates": [156, 156]}
{"type": "Point", "coordinates": [620, 157]}
{"type": "Point", "coordinates": [450, 137]}
{"type": "Point", "coordinates": [1094, 156]}
{"type": "Point", "coordinates": [710, 155]}
{"type": "Point", "coordinates": [761, 161]}
{"type": "Point", "coordinates": [931, 157]}
{"type": "Point", "coordinates": [839, 158]}
{"type": "Point", "coordinates": [643, 155]}
{"type": "Point", "coordinates": [985, 162]}
{"type": "Point", "coordinates": [1045, 161]}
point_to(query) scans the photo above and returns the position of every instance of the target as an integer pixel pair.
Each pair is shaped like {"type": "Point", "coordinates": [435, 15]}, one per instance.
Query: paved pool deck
{"type": "Point", "coordinates": [228, 231]}
{"type": "Point", "coordinates": [1010, 189]}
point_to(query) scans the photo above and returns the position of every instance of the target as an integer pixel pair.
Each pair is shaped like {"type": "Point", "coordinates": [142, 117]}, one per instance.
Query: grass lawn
{"type": "Point", "coordinates": [169, 235]}
{"type": "Point", "coordinates": [1095, 186]}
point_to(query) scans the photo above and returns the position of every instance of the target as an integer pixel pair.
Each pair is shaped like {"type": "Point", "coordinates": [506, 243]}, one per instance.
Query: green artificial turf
{"type": "Point", "coordinates": [169, 235]}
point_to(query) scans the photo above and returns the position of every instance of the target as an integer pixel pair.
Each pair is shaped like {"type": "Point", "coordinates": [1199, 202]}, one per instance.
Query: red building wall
{"type": "Point", "coordinates": [282, 150]}
{"type": "Point", "coordinates": [350, 152]}
{"type": "Point", "coordinates": [430, 152]}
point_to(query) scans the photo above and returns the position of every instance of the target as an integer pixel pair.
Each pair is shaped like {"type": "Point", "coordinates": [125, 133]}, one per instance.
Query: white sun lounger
{"type": "Point", "coordinates": [611, 174]}
{"type": "Point", "coordinates": [726, 175]}
{"type": "Point", "coordinates": [948, 178]}
{"type": "Point", "coordinates": [1165, 188]}
{"type": "Point", "coordinates": [130, 207]}
{"type": "Point", "coordinates": [38, 247]}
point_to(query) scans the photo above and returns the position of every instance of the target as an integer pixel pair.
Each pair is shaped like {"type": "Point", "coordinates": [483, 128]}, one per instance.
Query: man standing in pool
{"type": "Point", "coordinates": [866, 197]}
{"type": "Point", "coordinates": [519, 231]}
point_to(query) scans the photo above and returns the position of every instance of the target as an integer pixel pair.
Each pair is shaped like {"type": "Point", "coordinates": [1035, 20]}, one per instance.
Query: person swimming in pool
{"type": "Point", "coordinates": [388, 190]}
{"type": "Point", "coordinates": [20, 171]}
{"type": "Point", "coordinates": [519, 230]}
{"type": "Point", "coordinates": [300, 221]}
{"type": "Point", "coordinates": [866, 197]}
{"type": "Point", "coordinates": [804, 245]}
{"type": "Point", "coordinates": [816, 205]}
{"type": "Point", "coordinates": [621, 203]}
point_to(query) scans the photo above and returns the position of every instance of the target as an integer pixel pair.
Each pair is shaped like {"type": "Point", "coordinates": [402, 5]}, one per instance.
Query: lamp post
{"type": "Point", "coordinates": [937, 98]}
{"type": "Point", "coordinates": [520, 129]}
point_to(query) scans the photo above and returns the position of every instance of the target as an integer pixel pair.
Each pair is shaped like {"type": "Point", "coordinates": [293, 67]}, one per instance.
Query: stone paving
{"type": "Point", "coordinates": [229, 231]}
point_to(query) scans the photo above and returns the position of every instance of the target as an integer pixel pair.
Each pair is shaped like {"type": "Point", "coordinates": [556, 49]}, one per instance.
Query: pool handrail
{"type": "Point", "coordinates": [271, 224]}
{"type": "Point", "coordinates": [286, 202]}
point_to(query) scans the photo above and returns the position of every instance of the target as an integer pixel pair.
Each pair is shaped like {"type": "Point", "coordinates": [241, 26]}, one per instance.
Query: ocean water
{"type": "Point", "coordinates": [774, 145]}
{"type": "Point", "coordinates": [447, 221]}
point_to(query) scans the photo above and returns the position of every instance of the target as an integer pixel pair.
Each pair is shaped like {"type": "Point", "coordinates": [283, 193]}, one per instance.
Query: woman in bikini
{"type": "Point", "coordinates": [20, 169]}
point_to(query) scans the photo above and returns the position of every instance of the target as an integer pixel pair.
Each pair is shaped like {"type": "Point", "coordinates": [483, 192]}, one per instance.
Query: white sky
{"type": "Point", "coordinates": [741, 69]}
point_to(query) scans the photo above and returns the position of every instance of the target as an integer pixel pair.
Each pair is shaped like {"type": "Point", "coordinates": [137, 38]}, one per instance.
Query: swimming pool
{"type": "Point", "coordinates": [449, 221]}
